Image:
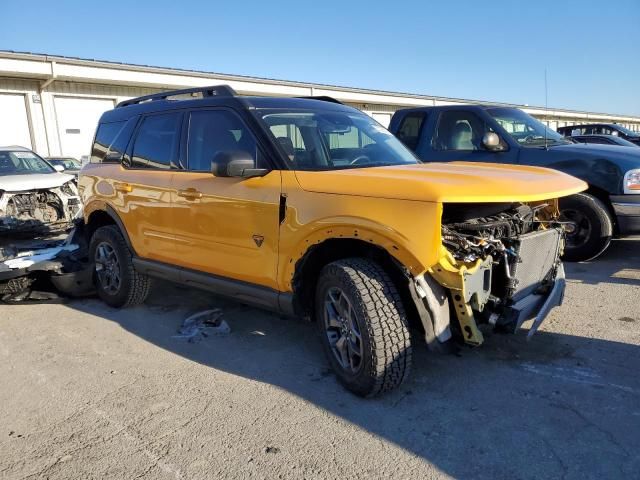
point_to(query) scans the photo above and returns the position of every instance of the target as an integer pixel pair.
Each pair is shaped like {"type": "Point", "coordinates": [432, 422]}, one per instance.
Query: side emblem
{"type": "Point", "coordinates": [259, 239]}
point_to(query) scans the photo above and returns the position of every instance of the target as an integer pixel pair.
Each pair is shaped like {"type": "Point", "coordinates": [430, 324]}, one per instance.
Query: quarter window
{"type": "Point", "coordinates": [105, 135]}
{"type": "Point", "coordinates": [214, 131]}
{"type": "Point", "coordinates": [156, 144]}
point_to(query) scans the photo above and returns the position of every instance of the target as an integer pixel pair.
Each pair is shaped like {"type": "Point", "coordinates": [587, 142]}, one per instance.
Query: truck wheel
{"type": "Point", "coordinates": [591, 227]}
{"type": "Point", "coordinates": [363, 326]}
{"type": "Point", "coordinates": [118, 284]}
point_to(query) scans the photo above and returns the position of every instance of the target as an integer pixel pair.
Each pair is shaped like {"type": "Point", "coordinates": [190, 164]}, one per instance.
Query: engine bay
{"type": "Point", "coordinates": [39, 211]}
{"type": "Point", "coordinates": [510, 251]}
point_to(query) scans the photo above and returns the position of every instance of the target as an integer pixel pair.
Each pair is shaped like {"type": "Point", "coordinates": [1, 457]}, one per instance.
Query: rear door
{"type": "Point", "coordinates": [225, 226]}
{"type": "Point", "coordinates": [143, 185]}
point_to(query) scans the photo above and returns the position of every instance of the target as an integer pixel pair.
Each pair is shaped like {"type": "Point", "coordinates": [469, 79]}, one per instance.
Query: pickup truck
{"type": "Point", "coordinates": [498, 134]}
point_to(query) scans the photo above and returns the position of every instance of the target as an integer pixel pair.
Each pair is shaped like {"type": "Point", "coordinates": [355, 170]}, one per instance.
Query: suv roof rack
{"type": "Point", "coordinates": [213, 91]}
{"type": "Point", "coordinates": [324, 98]}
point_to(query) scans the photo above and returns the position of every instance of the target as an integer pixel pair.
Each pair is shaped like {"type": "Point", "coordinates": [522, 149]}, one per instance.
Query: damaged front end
{"type": "Point", "coordinates": [501, 266]}
{"type": "Point", "coordinates": [39, 211]}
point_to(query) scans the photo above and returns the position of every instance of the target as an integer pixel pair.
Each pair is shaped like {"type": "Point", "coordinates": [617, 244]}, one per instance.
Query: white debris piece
{"type": "Point", "coordinates": [27, 259]}
{"type": "Point", "coordinates": [203, 324]}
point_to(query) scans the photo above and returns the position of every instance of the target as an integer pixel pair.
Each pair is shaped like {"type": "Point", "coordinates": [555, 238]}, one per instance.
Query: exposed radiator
{"type": "Point", "coordinates": [538, 255]}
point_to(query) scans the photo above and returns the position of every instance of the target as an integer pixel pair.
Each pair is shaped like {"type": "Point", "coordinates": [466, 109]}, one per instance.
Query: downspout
{"type": "Point", "coordinates": [43, 86]}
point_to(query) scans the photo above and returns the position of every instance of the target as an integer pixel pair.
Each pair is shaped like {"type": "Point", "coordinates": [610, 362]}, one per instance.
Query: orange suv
{"type": "Point", "coordinates": [309, 207]}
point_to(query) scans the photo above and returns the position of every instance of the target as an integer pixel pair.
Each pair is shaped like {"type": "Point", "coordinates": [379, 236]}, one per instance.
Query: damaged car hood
{"type": "Point", "coordinates": [445, 182]}
{"type": "Point", "coordinates": [20, 183]}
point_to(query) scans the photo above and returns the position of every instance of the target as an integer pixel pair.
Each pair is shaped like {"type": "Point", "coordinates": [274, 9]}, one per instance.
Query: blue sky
{"type": "Point", "coordinates": [470, 49]}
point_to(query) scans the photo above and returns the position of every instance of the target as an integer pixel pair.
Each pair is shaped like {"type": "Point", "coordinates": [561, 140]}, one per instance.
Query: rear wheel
{"type": "Point", "coordinates": [118, 284]}
{"type": "Point", "coordinates": [363, 326]}
{"type": "Point", "coordinates": [589, 228]}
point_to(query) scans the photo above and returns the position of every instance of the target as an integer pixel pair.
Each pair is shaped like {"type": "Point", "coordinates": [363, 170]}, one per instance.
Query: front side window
{"type": "Point", "coordinates": [459, 131]}
{"type": "Point", "coordinates": [22, 163]}
{"type": "Point", "coordinates": [525, 129]}
{"type": "Point", "coordinates": [216, 131]}
{"type": "Point", "coordinates": [157, 141]}
{"type": "Point", "coordinates": [409, 131]}
{"type": "Point", "coordinates": [329, 140]}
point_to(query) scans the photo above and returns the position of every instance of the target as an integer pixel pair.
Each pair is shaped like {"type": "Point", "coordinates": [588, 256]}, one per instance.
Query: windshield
{"type": "Point", "coordinates": [67, 163]}
{"type": "Point", "coordinates": [525, 129]}
{"type": "Point", "coordinates": [22, 163]}
{"type": "Point", "coordinates": [327, 140]}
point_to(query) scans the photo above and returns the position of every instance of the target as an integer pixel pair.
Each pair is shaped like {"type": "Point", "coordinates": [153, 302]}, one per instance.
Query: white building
{"type": "Point", "coordinates": [52, 104]}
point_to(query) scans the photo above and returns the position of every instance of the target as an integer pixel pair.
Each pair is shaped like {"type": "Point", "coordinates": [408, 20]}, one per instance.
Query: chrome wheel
{"type": "Point", "coordinates": [107, 268]}
{"type": "Point", "coordinates": [578, 228]}
{"type": "Point", "coordinates": [342, 330]}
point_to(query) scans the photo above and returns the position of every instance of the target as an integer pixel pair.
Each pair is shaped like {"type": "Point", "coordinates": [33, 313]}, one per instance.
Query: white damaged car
{"type": "Point", "coordinates": [36, 198]}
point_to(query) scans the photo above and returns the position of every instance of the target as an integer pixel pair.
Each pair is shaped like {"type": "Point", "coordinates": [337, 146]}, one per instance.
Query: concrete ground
{"type": "Point", "coordinates": [91, 392]}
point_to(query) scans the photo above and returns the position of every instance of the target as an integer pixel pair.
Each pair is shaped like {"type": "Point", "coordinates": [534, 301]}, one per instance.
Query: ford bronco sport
{"type": "Point", "coordinates": [311, 208]}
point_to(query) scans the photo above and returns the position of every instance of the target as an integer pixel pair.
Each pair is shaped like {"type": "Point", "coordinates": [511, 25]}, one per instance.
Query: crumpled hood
{"type": "Point", "coordinates": [445, 182]}
{"type": "Point", "coordinates": [35, 181]}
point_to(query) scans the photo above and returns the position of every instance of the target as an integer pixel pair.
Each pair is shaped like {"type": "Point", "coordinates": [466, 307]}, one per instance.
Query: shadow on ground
{"type": "Point", "coordinates": [559, 406]}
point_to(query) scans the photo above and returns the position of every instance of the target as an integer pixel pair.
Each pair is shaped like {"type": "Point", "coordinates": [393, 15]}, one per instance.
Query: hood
{"type": "Point", "coordinates": [445, 182]}
{"type": "Point", "coordinates": [35, 181]}
{"type": "Point", "coordinates": [593, 150]}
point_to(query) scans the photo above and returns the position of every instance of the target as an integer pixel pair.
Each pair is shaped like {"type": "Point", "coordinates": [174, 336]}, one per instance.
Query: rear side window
{"type": "Point", "coordinates": [410, 127]}
{"type": "Point", "coordinates": [105, 135]}
{"type": "Point", "coordinates": [157, 141]}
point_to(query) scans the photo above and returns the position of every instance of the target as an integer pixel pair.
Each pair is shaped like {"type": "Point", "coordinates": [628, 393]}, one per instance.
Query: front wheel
{"type": "Point", "coordinates": [363, 326]}
{"type": "Point", "coordinates": [117, 282]}
{"type": "Point", "coordinates": [589, 227]}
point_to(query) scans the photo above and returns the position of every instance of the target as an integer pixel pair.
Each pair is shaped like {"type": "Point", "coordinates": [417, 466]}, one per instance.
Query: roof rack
{"type": "Point", "coordinates": [213, 91]}
{"type": "Point", "coordinates": [324, 98]}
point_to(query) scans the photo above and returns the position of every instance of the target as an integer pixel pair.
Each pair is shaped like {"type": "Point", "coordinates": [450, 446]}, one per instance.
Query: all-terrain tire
{"type": "Point", "coordinates": [595, 220]}
{"type": "Point", "coordinates": [384, 329]}
{"type": "Point", "coordinates": [133, 286]}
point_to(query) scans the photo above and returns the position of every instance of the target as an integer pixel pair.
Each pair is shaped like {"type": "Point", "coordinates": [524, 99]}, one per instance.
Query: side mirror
{"type": "Point", "coordinates": [236, 163]}
{"type": "Point", "coordinates": [491, 141]}
{"type": "Point", "coordinates": [58, 168]}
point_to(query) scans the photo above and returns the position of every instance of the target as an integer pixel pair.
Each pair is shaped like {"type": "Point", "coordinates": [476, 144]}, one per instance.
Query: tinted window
{"type": "Point", "coordinates": [119, 144]}
{"type": "Point", "coordinates": [213, 131]}
{"type": "Point", "coordinates": [409, 131]}
{"type": "Point", "coordinates": [105, 135]}
{"type": "Point", "coordinates": [459, 131]}
{"type": "Point", "coordinates": [156, 143]}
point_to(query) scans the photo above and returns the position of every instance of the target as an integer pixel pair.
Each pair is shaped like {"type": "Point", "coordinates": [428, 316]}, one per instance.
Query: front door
{"type": "Point", "coordinates": [225, 226]}
{"type": "Point", "coordinates": [458, 137]}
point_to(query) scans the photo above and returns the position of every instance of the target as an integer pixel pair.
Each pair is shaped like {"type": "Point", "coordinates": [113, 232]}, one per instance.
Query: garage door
{"type": "Point", "coordinates": [77, 120]}
{"type": "Point", "coordinates": [14, 122]}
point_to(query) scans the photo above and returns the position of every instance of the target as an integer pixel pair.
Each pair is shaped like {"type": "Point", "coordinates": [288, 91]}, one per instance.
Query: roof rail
{"type": "Point", "coordinates": [324, 98]}
{"type": "Point", "coordinates": [213, 91]}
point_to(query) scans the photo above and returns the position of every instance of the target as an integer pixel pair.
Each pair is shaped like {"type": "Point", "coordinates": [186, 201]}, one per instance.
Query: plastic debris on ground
{"type": "Point", "coordinates": [203, 324]}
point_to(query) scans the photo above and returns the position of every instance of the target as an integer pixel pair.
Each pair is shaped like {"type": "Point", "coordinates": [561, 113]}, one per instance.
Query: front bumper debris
{"type": "Point", "coordinates": [505, 291]}
{"type": "Point", "coordinates": [537, 306]}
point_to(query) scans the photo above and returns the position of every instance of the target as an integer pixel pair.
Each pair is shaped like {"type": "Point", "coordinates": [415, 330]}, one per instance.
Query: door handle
{"type": "Point", "coordinates": [122, 187]}
{"type": "Point", "coordinates": [190, 194]}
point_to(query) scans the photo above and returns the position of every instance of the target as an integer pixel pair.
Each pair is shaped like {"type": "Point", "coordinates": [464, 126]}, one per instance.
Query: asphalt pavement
{"type": "Point", "coordinates": [91, 392]}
